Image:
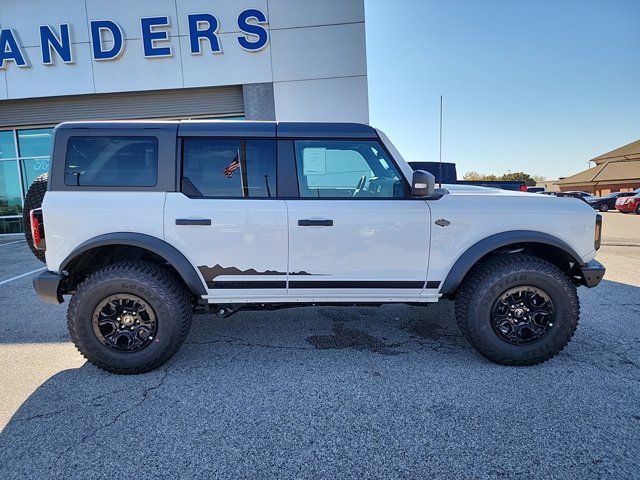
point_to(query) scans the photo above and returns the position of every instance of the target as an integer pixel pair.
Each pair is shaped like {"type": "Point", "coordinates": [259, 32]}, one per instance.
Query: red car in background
{"type": "Point", "coordinates": [629, 204]}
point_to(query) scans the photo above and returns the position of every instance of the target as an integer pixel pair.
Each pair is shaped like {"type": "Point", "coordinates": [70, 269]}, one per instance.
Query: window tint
{"type": "Point", "coordinates": [35, 142]}
{"type": "Point", "coordinates": [346, 169]}
{"type": "Point", "coordinates": [7, 144]}
{"type": "Point", "coordinates": [112, 161]}
{"type": "Point", "coordinates": [229, 168]}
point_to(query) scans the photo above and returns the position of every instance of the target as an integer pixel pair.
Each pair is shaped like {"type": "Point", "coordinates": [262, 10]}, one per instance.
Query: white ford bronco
{"type": "Point", "coordinates": [145, 223]}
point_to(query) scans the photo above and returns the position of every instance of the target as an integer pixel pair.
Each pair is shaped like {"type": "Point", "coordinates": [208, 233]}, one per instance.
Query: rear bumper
{"type": "Point", "coordinates": [592, 273]}
{"type": "Point", "coordinates": [47, 286]}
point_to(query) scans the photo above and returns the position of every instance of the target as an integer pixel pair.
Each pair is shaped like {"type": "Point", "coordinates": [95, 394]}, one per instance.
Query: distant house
{"type": "Point", "coordinates": [615, 171]}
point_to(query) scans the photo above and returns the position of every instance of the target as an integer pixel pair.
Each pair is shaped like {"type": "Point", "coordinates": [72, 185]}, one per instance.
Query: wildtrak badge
{"type": "Point", "coordinates": [108, 38]}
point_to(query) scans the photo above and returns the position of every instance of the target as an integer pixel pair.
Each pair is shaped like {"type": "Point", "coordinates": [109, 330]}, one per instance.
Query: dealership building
{"type": "Point", "coordinates": [295, 60]}
{"type": "Point", "coordinates": [614, 171]}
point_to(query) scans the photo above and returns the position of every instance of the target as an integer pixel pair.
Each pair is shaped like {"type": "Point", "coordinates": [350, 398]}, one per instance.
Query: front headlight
{"type": "Point", "coordinates": [598, 232]}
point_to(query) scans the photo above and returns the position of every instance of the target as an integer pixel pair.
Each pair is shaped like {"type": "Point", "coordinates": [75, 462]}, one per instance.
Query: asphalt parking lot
{"type": "Point", "coordinates": [392, 392]}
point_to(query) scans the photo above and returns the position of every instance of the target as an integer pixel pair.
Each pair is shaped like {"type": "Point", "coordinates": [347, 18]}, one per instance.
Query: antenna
{"type": "Point", "coordinates": [440, 163]}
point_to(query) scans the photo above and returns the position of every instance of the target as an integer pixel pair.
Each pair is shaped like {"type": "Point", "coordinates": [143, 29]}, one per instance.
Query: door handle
{"type": "Point", "coordinates": [315, 223]}
{"type": "Point", "coordinates": [193, 221]}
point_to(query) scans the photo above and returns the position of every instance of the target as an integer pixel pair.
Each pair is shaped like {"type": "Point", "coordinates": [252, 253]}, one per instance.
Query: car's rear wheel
{"type": "Point", "coordinates": [517, 309]}
{"type": "Point", "coordinates": [130, 317]}
{"type": "Point", "coordinates": [638, 209]}
{"type": "Point", "coordinates": [604, 207]}
{"type": "Point", "coordinates": [33, 200]}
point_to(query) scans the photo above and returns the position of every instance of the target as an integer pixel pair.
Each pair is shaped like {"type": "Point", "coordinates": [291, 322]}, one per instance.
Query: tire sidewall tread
{"type": "Point", "coordinates": [490, 279]}
{"type": "Point", "coordinates": [155, 285]}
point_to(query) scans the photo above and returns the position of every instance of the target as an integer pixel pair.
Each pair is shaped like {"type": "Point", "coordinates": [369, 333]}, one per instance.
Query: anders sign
{"type": "Point", "coordinates": [108, 39]}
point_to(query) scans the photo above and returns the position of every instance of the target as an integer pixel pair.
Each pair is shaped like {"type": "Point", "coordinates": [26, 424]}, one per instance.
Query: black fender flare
{"type": "Point", "coordinates": [170, 253]}
{"type": "Point", "coordinates": [474, 253]}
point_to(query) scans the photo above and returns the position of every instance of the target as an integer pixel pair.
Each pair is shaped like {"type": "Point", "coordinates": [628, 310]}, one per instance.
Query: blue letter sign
{"type": "Point", "coordinates": [253, 29]}
{"type": "Point", "coordinates": [150, 36]}
{"type": "Point", "coordinates": [10, 50]}
{"type": "Point", "coordinates": [203, 26]}
{"type": "Point", "coordinates": [49, 42]}
{"type": "Point", "coordinates": [99, 26]}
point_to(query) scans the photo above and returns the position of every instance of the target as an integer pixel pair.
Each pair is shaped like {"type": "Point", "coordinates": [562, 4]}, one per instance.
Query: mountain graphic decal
{"type": "Point", "coordinates": [209, 273]}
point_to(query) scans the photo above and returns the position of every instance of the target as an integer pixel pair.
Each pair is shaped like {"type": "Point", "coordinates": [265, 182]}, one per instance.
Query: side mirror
{"type": "Point", "coordinates": [423, 184]}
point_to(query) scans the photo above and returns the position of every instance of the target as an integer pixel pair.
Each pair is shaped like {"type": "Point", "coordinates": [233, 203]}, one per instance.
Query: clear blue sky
{"type": "Point", "coordinates": [539, 86]}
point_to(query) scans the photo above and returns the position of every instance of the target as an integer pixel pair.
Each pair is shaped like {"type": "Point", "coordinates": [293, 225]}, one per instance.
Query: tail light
{"type": "Point", "coordinates": [598, 232]}
{"type": "Point", "coordinates": [37, 229]}
{"type": "Point", "coordinates": [523, 188]}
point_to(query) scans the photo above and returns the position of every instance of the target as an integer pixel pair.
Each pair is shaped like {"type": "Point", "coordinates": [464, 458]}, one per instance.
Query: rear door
{"type": "Point", "coordinates": [227, 218]}
{"type": "Point", "coordinates": [354, 232]}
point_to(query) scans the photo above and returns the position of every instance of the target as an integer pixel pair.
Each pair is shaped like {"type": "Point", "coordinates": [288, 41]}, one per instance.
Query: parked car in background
{"type": "Point", "coordinates": [450, 176]}
{"type": "Point", "coordinates": [584, 196]}
{"type": "Point", "coordinates": [535, 189]}
{"type": "Point", "coordinates": [607, 202]}
{"type": "Point", "coordinates": [629, 204]}
{"type": "Point", "coordinates": [546, 192]}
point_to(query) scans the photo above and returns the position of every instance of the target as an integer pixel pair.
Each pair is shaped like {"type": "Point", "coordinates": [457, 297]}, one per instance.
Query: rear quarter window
{"type": "Point", "coordinates": [111, 161]}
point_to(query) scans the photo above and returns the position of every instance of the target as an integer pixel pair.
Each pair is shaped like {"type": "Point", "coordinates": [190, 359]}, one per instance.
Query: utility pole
{"type": "Point", "coordinates": [440, 162]}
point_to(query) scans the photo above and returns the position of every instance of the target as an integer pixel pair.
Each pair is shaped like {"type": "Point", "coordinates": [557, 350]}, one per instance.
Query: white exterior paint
{"type": "Point", "coordinates": [79, 216]}
{"type": "Point", "coordinates": [370, 240]}
{"type": "Point", "coordinates": [315, 56]}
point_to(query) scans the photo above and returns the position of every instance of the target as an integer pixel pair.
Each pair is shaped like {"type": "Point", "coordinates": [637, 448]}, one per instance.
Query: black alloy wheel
{"type": "Point", "coordinates": [522, 315]}
{"type": "Point", "coordinates": [124, 322]}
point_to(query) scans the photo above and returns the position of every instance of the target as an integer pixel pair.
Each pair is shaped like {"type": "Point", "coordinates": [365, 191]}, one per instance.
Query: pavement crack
{"type": "Point", "coordinates": [610, 371]}
{"type": "Point", "coordinates": [145, 396]}
{"type": "Point", "coordinates": [68, 408]}
{"type": "Point", "coordinates": [243, 343]}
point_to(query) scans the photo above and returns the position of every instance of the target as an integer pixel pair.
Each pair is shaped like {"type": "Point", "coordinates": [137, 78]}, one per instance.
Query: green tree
{"type": "Point", "coordinates": [518, 177]}
{"type": "Point", "coordinates": [477, 177]}
{"type": "Point", "coordinates": [527, 179]}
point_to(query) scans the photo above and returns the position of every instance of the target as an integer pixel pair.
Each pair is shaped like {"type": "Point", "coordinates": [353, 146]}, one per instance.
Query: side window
{"type": "Point", "coordinates": [111, 161]}
{"type": "Point", "coordinates": [229, 168]}
{"type": "Point", "coordinates": [346, 169]}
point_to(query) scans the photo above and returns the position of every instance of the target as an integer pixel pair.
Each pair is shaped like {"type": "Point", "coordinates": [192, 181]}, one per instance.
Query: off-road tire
{"type": "Point", "coordinates": [32, 200]}
{"type": "Point", "coordinates": [604, 207]}
{"type": "Point", "coordinates": [494, 276]}
{"type": "Point", "coordinates": [159, 288]}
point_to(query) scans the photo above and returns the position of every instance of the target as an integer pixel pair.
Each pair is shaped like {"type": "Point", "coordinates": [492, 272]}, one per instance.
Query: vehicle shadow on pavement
{"type": "Point", "coordinates": [320, 392]}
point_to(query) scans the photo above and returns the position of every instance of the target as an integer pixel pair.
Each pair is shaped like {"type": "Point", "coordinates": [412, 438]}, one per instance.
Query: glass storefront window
{"type": "Point", "coordinates": [35, 142]}
{"type": "Point", "coordinates": [32, 168]}
{"type": "Point", "coordinates": [10, 225]}
{"type": "Point", "coordinates": [7, 145]}
{"type": "Point", "coordinates": [10, 194]}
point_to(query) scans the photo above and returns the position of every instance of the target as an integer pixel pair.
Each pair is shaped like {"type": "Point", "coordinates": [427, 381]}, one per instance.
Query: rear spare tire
{"type": "Point", "coordinates": [32, 200]}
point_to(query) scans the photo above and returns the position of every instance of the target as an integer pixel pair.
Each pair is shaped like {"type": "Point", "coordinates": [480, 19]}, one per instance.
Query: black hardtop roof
{"type": "Point", "coordinates": [236, 128]}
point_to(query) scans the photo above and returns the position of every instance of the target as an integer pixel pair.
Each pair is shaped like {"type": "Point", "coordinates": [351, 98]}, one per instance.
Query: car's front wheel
{"type": "Point", "coordinates": [604, 207]}
{"type": "Point", "coordinates": [129, 317]}
{"type": "Point", "coordinates": [517, 309]}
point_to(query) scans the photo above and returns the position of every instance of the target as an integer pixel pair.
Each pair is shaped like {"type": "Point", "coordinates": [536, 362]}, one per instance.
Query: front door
{"type": "Point", "coordinates": [355, 234]}
{"type": "Point", "coordinates": [227, 219]}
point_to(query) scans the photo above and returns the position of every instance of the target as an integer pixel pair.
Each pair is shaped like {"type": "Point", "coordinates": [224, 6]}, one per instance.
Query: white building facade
{"type": "Point", "coordinates": [289, 60]}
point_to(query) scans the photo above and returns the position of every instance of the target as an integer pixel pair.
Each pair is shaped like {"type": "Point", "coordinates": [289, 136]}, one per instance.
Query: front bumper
{"type": "Point", "coordinates": [625, 208]}
{"type": "Point", "coordinates": [592, 273]}
{"type": "Point", "coordinates": [47, 286]}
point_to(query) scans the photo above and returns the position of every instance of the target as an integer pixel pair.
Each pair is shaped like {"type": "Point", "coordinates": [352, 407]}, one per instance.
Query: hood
{"type": "Point", "coordinates": [455, 189]}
